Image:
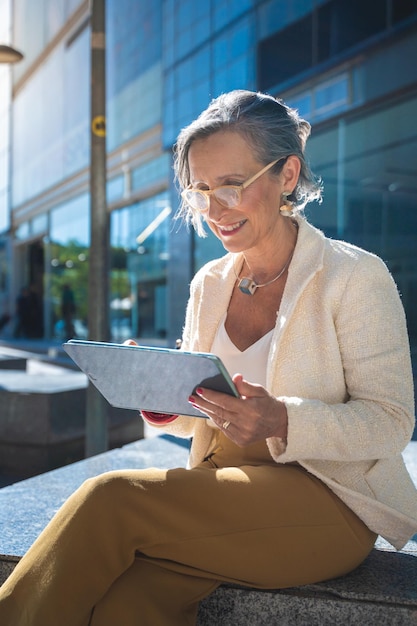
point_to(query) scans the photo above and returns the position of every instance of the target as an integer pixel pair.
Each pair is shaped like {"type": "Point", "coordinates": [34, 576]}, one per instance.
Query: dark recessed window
{"type": "Point", "coordinates": [338, 26]}
{"type": "Point", "coordinates": [285, 54]}
{"type": "Point", "coordinates": [403, 9]}
{"type": "Point", "coordinates": [343, 24]}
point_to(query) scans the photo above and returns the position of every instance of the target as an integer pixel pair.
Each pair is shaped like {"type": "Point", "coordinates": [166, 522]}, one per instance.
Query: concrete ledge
{"type": "Point", "coordinates": [381, 592]}
{"type": "Point", "coordinates": [8, 362]}
{"type": "Point", "coordinates": [42, 419]}
{"type": "Point", "coordinates": [27, 506]}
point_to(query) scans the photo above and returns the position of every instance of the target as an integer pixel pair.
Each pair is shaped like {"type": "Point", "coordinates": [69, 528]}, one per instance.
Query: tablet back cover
{"type": "Point", "coordinates": [141, 377]}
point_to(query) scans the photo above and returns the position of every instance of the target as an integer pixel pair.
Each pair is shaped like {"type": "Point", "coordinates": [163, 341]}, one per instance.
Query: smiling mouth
{"type": "Point", "coordinates": [232, 228]}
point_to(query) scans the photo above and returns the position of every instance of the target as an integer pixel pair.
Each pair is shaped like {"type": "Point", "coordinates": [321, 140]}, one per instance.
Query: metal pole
{"type": "Point", "coordinates": [98, 284]}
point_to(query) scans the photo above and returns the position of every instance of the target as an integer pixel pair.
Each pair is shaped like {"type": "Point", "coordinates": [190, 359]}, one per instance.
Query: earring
{"type": "Point", "coordinates": [286, 208]}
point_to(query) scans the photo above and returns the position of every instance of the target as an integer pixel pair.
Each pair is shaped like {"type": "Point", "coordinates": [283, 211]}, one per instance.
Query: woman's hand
{"type": "Point", "coordinates": [253, 417]}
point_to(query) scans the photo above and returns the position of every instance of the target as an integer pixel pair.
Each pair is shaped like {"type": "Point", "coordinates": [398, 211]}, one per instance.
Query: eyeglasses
{"type": "Point", "coordinates": [228, 196]}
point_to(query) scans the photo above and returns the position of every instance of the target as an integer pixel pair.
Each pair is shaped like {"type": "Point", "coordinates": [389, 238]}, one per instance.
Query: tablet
{"type": "Point", "coordinates": [149, 378]}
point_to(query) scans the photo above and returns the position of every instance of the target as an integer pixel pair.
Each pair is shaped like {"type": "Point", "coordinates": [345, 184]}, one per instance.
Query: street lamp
{"type": "Point", "coordinates": [9, 54]}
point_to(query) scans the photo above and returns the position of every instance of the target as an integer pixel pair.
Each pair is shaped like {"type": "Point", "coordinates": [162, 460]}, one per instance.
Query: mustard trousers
{"type": "Point", "coordinates": [143, 547]}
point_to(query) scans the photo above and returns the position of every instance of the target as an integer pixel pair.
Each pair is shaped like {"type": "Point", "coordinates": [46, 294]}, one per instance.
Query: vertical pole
{"type": "Point", "coordinates": [98, 283]}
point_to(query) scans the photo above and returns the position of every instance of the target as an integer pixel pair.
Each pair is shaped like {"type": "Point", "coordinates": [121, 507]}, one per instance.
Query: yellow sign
{"type": "Point", "coordinates": [98, 126]}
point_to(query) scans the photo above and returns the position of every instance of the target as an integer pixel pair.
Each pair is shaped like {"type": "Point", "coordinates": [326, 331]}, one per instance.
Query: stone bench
{"type": "Point", "coordinates": [381, 592]}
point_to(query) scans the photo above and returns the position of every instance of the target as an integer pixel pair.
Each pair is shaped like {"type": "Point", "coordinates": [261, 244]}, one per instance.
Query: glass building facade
{"type": "Point", "coordinates": [348, 66]}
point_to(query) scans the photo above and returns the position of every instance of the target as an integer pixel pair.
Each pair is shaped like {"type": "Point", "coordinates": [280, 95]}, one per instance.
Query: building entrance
{"type": "Point", "coordinates": [30, 297]}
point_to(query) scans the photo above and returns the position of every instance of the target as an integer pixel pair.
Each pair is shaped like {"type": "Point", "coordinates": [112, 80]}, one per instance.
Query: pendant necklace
{"type": "Point", "coordinates": [248, 286]}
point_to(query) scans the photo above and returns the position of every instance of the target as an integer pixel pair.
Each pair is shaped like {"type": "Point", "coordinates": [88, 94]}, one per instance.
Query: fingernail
{"type": "Point", "coordinates": [199, 391]}
{"type": "Point", "coordinates": [191, 399]}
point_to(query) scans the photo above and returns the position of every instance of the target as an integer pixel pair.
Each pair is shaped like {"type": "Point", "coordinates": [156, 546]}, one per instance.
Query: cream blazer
{"type": "Point", "coordinates": [340, 361]}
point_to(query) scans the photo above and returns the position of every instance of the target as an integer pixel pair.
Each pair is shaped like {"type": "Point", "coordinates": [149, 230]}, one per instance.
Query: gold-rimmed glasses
{"type": "Point", "coordinates": [228, 196]}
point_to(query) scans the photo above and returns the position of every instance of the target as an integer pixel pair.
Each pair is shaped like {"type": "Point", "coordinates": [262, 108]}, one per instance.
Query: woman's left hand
{"type": "Point", "coordinates": [253, 417]}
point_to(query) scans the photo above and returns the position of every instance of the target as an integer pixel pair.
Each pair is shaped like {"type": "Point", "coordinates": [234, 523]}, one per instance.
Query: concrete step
{"type": "Point", "coordinates": [381, 592]}
{"type": "Point", "coordinates": [43, 416]}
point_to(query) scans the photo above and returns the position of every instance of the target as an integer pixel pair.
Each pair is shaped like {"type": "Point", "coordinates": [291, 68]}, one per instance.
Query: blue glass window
{"type": "Point", "coordinates": [133, 33]}
{"type": "Point", "coordinates": [332, 95]}
{"type": "Point", "coordinates": [186, 26]}
{"type": "Point", "coordinates": [53, 141]}
{"type": "Point", "coordinates": [67, 257]}
{"type": "Point", "coordinates": [226, 12]}
{"type": "Point", "coordinates": [139, 243]}
{"type": "Point", "coordinates": [228, 63]}
{"type": "Point", "coordinates": [234, 58]}
{"type": "Point", "coordinates": [115, 188]}
{"type": "Point", "coordinates": [275, 14]}
{"type": "Point", "coordinates": [71, 221]}
{"type": "Point", "coordinates": [134, 79]}
{"type": "Point", "coordinates": [370, 200]}
{"type": "Point", "coordinates": [151, 172]}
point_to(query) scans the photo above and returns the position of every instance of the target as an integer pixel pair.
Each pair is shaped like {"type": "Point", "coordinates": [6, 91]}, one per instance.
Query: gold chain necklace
{"type": "Point", "coordinates": [248, 286]}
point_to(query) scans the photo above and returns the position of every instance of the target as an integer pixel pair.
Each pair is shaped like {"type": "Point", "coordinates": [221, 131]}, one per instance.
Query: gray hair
{"type": "Point", "coordinates": [273, 130]}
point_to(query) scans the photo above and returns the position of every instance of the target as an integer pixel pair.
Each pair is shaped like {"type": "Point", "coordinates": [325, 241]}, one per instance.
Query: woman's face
{"type": "Point", "coordinates": [226, 158]}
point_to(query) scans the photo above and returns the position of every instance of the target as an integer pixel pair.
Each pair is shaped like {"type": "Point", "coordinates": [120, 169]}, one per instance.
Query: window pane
{"type": "Point", "coordinates": [67, 256]}
{"type": "Point", "coordinates": [369, 166]}
{"type": "Point", "coordinates": [139, 248]}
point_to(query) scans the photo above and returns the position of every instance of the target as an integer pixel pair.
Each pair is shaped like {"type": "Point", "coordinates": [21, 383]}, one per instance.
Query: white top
{"type": "Point", "coordinates": [251, 363]}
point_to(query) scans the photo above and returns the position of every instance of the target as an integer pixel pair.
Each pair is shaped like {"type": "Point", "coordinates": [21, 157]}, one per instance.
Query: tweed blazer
{"type": "Point", "coordinates": [340, 361]}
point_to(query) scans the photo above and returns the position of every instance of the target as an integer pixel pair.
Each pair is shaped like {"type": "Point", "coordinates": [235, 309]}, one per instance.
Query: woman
{"type": "Point", "coordinates": [291, 482]}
